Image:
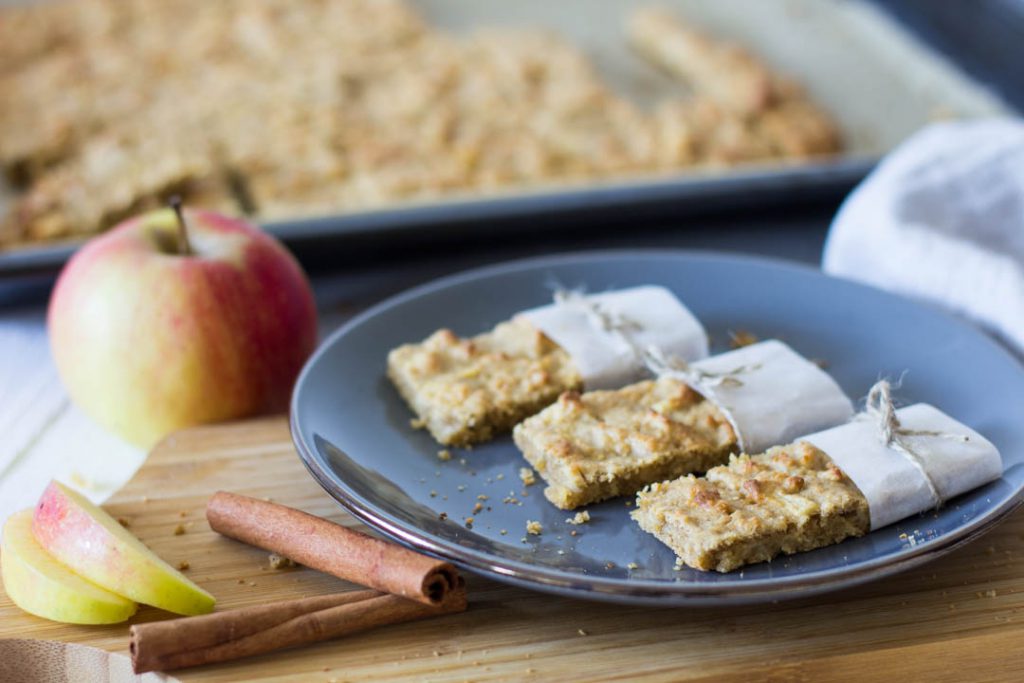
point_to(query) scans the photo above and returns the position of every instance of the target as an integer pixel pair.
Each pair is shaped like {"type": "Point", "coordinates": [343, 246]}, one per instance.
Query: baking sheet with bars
{"type": "Point", "coordinates": [877, 80]}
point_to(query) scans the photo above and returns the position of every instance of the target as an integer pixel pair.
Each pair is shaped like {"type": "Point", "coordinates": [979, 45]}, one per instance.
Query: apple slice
{"type": "Point", "coordinates": [40, 585]}
{"type": "Point", "coordinates": [93, 544]}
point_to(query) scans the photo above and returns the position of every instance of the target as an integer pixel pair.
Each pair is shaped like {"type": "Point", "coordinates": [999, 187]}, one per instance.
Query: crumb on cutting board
{"type": "Point", "coordinates": [280, 561]}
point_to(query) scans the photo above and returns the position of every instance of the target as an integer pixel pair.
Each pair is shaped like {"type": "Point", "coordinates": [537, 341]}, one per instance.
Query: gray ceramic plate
{"type": "Point", "coordinates": [352, 429]}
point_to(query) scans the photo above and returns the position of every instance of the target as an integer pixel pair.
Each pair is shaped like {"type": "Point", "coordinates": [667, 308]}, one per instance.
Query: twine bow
{"type": "Point", "coordinates": [672, 366]}
{"type": "Point", "coordinates": [892, 434]}
{"type": "Point", "coordinates": [612, 323]}
{"type": "Point", "coordinates": [653, 358]}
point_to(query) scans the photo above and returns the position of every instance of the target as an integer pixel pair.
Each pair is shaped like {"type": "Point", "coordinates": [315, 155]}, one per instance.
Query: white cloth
{"type": "Point", "coordinates": [44, 436]}
{"type": "Point", "coordinates": [771, 394]}
{"type": "Point", "coordinates": [605, 359]}
{"type": "Point", "coordinates": [942, 218]}
{"type": "Point", "coordinates": [893, 485]}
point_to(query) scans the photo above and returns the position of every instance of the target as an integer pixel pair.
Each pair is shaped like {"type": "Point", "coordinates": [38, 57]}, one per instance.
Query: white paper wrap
{"type": "Point", "coordinates": [606, 360]}
{"type": "Point", "coordinates": [779, 396]}
{"type": "Point", "coordinates": [893, 485]}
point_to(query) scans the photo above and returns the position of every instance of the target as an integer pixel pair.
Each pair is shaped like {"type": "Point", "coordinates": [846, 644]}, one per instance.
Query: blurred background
{"type": "Point", "coordinates": [389, 141]}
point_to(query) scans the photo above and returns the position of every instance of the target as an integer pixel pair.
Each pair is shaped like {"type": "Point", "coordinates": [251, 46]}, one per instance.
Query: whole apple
{"type": "Point", "coordinates": [168, 321]}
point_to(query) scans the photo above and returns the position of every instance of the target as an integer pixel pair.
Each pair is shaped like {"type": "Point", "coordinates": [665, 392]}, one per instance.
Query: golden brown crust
{"type": "Point", "coordinates": [466, 391]}
{"type": "Point", "coordinates": [787, 500]}
{"type": "Point", "coordinates": [603, 444]}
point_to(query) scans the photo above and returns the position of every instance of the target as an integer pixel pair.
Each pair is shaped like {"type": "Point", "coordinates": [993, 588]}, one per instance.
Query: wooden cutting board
{"type": "Point", "coordinates": [960, 618]}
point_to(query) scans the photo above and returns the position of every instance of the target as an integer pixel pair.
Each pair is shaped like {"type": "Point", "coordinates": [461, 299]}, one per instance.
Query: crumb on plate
{"type": "Point", "coordinates": [581, 517]}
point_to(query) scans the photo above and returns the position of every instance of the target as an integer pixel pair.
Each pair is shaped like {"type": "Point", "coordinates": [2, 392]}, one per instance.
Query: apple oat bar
{"type": "Point", "coordinates": [466, 391]}
{"type": "Point", "coordinates": [603, 444]}
{"type": "Point", "coordinates": [743, 110]}
{"type": "Point", "coordinates": [789, 499]}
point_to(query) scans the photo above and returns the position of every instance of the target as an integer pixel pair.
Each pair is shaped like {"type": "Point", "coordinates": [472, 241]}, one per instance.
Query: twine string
{"type": "Point", "coordinates": [662, 365]}
{"type": "Point", "coordinates": [879, 407]}
{"type": "Point", "coordinates": [653, 358]}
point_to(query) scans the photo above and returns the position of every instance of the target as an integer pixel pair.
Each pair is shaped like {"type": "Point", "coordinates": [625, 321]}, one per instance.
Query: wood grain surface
{"type": "Point", "coordinates": [959, 618]}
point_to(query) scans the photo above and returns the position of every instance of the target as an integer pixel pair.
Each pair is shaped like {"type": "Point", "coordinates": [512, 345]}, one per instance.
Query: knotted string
{"type": "Point", "coordinates": [672, 366]}
{"type": "Point", "coordinates": [891, 433]}
{"type": "Point", "coordinates": [612, 323]}
{"type": "Point", "coordinates": [653, 358]}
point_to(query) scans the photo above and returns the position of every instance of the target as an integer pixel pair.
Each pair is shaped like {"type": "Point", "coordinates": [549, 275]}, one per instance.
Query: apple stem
{"type": "Point", "coordinates": [184, 246]}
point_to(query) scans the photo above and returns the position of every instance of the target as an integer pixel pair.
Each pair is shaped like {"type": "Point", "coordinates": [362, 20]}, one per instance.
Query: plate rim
{"type": "Point", "coordinates": [679, 592]}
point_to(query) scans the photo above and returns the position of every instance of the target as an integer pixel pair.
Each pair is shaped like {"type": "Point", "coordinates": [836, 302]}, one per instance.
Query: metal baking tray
{"type": "Point", "coordinates": [878, 80]}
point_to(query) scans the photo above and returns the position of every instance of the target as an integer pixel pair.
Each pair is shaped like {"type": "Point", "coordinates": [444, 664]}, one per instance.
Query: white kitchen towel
{"type": "Point", "coordinates": [942, 218]}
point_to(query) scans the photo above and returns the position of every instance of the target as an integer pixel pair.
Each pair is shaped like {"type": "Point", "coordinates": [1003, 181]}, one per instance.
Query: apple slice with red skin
{"type": "Point", "coordinates": [94, 545]}
{"type": "Point", "coordinates": [40, 585]}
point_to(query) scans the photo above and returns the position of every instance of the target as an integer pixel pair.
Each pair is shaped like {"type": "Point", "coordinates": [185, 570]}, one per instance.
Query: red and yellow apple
{"type": "Point", "coordinates": [40, 585]}
{"type": "Point", "coordinates": [154, 328]}
{"type": "Point", "coordinates": [90, 542]}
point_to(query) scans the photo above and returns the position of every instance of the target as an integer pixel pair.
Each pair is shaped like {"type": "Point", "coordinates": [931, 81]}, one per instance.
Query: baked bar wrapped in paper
{"type": "Point", "coordinates": [605, 333]}
{"type": "Point", "coordinates": [931, 459]}
{"type": "Point", "coordinates": [603, 444]}
{"type": "Point", "coordinates": [769, 393]}
{"type": "Point", "coordinates": [466, 391]}
{"type": "Point", "coordinates": [882, 467]}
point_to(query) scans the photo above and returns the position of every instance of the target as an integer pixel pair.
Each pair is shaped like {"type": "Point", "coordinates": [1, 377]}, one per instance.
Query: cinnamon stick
{"type": "Point", "coordinates": [224, 636]}
{"type": "Point", "coordinates": [332, 548]}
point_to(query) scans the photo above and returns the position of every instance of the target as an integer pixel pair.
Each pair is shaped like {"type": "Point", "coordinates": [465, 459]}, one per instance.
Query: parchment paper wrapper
{"type": "Point", "coordinates": [778, 396]}
{"type": "Point", "coordinates": [605, 360]}
{"type": "Point", "coordinates": [894, 486]}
